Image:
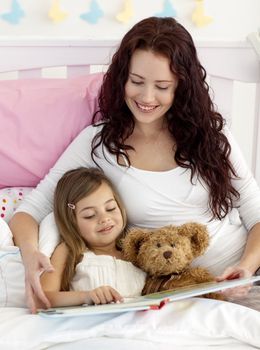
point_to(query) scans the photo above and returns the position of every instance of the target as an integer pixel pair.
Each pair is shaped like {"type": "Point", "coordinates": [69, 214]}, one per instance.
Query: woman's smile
{"type": "Point", "coordinates": [146, 108]}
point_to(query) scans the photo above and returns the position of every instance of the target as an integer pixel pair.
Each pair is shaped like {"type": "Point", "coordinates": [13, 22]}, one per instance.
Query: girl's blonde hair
{"type": "Point", "coordinates": [73, 186]}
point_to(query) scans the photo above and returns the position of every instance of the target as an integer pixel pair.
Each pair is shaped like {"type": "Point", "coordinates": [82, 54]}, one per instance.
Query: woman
{"type": "Point", "coordinates": [167, 151]}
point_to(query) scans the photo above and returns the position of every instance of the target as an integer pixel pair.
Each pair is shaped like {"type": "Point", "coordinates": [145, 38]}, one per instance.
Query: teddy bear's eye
{"type": "Point", "coordinates": [173, 245]}
{"type": "Point", "coordinates": [158, 245]}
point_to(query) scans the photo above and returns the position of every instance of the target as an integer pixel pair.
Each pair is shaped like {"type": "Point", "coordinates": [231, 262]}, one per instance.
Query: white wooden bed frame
{"type": "Point", "coordinates": [225, 62]}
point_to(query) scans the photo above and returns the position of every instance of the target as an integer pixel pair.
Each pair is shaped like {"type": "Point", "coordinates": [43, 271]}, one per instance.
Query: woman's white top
{"type": "Point", "coordinates": [104, 270]}
{"type": "Point", "coordinates": [154, 199]}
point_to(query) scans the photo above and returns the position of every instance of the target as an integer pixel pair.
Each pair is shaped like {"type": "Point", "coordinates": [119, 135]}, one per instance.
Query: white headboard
{"type": "Point", "coordinates": [226, 63]}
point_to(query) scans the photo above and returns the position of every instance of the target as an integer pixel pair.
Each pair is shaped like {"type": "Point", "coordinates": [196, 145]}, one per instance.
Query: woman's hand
{"type": "Point", "coordinates": [234, 272]}
{"type": "Point", "coordinates": [35, 263]}
{"type": "Point", "coordinates": [103, 295]}
{"type": "Point", "coordinates": [25, 233]}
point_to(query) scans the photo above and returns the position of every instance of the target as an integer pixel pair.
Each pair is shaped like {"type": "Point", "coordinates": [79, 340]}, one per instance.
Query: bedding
{"type": "Point", "coordinates": [40, 117]}
{"type": "Point", "coordinates": [193, 323]}
{"type": "Point", "coordinates": [6, 237]}
{"type": "Point", "coordinates": [11, 266]}
{"type": "Point", "coordinates": [11, 278]}
{"type": "Point", "coordinates": [48, 235]}
{"type": "Point", "coordinates": [10, 198]}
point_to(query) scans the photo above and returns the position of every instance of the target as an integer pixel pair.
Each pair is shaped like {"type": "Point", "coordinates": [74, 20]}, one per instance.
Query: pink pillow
{"type": "Point", "coordinates": [38, 120]}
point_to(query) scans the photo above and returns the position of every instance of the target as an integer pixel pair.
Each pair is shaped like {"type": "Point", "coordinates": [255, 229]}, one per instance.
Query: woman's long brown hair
{"type": "Point", "coordinates": [71, 188]}
{"type": "Point", "coordinates": [195, 125]}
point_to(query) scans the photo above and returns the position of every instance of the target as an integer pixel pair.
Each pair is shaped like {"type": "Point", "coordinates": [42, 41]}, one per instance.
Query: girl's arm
{"type": "Point", "coordinates": [51, 284]}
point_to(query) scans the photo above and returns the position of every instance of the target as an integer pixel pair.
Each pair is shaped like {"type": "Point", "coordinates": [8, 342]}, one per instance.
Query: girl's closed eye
{"type": "Point", "coordinates": [88, 217]}
{"type": "Point", "coordinates": [111, 209]}
{"type": "Point", "coordinates": [88, 214]}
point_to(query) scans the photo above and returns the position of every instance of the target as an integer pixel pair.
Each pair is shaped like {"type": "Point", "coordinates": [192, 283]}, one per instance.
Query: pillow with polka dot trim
{"type": "Point", "coordinates": [10, 198]}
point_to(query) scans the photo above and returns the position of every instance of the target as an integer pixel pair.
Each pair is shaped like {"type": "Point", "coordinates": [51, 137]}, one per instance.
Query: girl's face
{"type": "Point", "coordinates": [149, 90]}
{"type": "Point", "coordinates": [99, 219]}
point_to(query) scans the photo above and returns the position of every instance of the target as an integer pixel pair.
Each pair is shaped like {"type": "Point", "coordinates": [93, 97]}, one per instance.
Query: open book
{"type": "Point", "coordinates": [152, 301]}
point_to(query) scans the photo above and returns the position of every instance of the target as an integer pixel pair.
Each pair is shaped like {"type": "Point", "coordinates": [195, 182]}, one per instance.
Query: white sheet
{"type": "Point", "coordinates": [130, 344]}
{"type": "Point", "coordinates": [194, 323]}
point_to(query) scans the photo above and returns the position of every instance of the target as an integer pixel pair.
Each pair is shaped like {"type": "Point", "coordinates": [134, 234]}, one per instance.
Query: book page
{"type": "Point", "coordinates": [147, 302]}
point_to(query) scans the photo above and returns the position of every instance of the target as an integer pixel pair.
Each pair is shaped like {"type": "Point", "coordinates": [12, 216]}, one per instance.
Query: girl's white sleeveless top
{"type": "Point", "coordinates": [105, 270]}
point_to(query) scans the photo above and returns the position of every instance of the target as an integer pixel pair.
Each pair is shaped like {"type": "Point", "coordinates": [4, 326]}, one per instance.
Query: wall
{"type": "Point", "coordinates": [232, 19]}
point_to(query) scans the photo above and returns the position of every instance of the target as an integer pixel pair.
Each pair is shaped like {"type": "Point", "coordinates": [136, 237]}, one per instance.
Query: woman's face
{"type": "Point", "coordinates": [149, 90]}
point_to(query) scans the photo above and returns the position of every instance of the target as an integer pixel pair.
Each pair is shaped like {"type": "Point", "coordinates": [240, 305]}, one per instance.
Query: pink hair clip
{"type": "Point", "coordinates": [71, 206]}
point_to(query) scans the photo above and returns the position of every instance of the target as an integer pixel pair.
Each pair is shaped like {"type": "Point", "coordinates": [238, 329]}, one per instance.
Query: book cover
{"type": "Point", "coordinates": [152, 301]}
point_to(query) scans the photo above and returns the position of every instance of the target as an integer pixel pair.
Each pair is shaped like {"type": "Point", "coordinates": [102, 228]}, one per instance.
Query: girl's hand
{"type": "Point", "coordinates": [34, 264]}
{"type": "Point", "coordinates": [233, 272]}
{"type": "Point", "coordinates": [103, 295]}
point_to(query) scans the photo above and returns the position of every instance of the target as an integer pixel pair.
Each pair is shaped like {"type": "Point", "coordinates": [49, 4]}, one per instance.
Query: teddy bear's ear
{"type": "Point", "coordinates": [132, 242]}
{"type": "Point", "coordinates": [198, 235]}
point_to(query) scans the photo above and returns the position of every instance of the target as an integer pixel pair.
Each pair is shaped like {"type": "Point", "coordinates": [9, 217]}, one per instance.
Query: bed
{"type": "Point", "coordinates": [36, 106]}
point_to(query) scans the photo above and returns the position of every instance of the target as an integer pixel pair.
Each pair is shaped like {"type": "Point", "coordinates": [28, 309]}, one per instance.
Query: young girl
{"type": "Point", "coordinates": [88, 265]}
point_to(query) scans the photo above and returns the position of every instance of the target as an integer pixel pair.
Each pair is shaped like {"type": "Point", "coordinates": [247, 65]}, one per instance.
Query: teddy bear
{"type": "Point", "coordinates": [166, 254]}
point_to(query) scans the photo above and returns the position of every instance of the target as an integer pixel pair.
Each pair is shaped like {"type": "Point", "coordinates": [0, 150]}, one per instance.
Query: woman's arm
{"type": "Point", "coordinates": [247, 266]}
{"type": "Point", "coordinates": [25, 233]}
{"type": "Point", "coordinates": [251, 257]}
{"type": "Point", "coordinates": [249, 210]}
{"type": "Point", "coordinates": [250, 260]}
{"type": "Point", "coordinates": [51, 284]}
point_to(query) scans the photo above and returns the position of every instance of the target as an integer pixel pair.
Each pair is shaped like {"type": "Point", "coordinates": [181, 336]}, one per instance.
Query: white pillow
{"type": "Point", "coordinates": [48, 235]}
{"type": "Point", "coordinates": [6, 237]}
{"type": "Point", "coordinates": [11, 277]}
{"type": "Point", "coordinates": [12, 288]}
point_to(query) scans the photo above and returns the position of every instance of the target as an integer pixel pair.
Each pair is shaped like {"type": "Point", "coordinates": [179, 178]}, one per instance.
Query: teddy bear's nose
{"type": "Point", "coordinates": [167, 254]}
